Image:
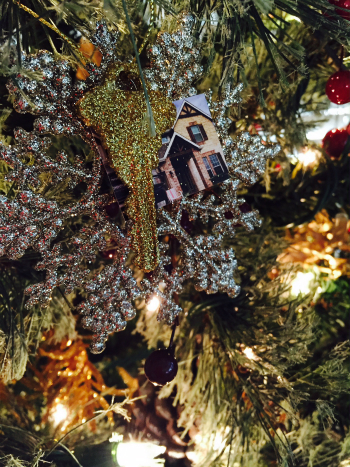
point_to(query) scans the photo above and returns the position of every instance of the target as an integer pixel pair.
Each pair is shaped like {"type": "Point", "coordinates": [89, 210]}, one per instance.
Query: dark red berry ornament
{"type": "Point", "coordinates": [342, 4]}
{"type": "Point", "coordinates": [161, 367]}
{"type": "Point", "coordinates": [338, 87]}
{"type": "Point", "coordinates": [334, 143]}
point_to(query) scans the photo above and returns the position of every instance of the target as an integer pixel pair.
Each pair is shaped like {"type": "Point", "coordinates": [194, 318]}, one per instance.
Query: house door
{"type": "Point", "coordinates": [183, 173]}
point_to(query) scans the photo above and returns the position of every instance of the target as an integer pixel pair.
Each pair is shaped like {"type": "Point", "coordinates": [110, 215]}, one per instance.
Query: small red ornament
{"type": "Point", "coordinates": [338, 87]}
{"type": "Point", "coordinates": [334, 142]}
{"type": "Point", "coordinates": [161, 367]}
{"type": "Point", "coordinates": [342, 4]}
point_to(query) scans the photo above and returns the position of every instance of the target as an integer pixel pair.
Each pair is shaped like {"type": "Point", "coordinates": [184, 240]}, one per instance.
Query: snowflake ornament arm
{"type": "Point", "coordinates": [203, 257]}
{"type": "Point", "coordinates": [175, 61]}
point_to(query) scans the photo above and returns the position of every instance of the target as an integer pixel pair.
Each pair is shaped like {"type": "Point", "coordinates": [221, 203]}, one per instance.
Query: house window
{"type": "Point", "coordinates": [207, 166]}
{"type": "Point", "coordinates": [197, 133]}
{"type": "Point", "coordinates": [216, 164]}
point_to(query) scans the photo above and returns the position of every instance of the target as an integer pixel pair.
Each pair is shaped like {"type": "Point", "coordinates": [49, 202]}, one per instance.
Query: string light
{"type": "Point", "coordinates": [60, 413]}
{"type": "Point", "coordinates": [153, 304]}
{"type": "Point", "coordinates": [133, 454]}
{"type": "Point", "coordinates": [307, 157]}
{"type": "Point", "coordinates": [136, 454]}
{"type": "Point", "coordinates": [249, 353]}
{"type": "Point", "coordinates": [217, 441]}
{"type": "Point", "coordinates": [302, 283]}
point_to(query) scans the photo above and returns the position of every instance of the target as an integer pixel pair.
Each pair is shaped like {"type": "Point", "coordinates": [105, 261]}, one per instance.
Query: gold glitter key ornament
{"type": "Point", "coordinates": [117, 112]}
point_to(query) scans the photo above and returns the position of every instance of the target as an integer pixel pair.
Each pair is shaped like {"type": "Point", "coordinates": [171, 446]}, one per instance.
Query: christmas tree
{"type": "Point", "coordinates": [183, 167]}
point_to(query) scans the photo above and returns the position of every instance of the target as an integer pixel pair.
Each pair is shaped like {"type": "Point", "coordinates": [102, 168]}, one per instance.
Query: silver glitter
{"type": "Point", "coordinates": [30, 220]}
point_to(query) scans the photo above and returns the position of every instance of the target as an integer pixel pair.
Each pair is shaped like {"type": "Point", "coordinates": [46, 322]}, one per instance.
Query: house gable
{"type": "Point", "coordinates": [189, 110]}
{"type": "Point", "coordinates": [179, 144]}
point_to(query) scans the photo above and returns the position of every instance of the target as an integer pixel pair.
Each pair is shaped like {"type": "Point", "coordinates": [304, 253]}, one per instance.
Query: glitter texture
{"type": "Point", "coordinates": [175, 61]}
{"type": "Point", "coordinates": [118, 117]}
{"type": "Point", "coordinates": [31, 219]}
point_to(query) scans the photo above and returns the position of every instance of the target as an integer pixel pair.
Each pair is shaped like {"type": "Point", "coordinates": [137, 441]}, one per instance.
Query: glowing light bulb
{"type": "Point", "coordinates": [249, 353]}
{"type": "Point", "coordinates": [60, 413]}
{"type": "Point", "coordinates": [307, 157]}
{"type": "Point", "coordinates": [153, 304]}
{"type": "Point", "coordinates": [136, 454]}
{"type": "Point", "coordinates": [301, 283]}
{"type": "Point", "coordinates": [116, 438]}
{"type": "Point", "coordinates": [218, 442]}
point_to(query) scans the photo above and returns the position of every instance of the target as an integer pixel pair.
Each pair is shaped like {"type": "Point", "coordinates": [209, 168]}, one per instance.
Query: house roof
{"type": "Point", "coordinates": [171, 142]}
{"type": "Point", "coordinates": [185, 101]}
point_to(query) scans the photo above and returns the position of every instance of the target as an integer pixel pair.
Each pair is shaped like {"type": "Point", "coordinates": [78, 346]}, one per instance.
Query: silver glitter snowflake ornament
{"type": "Point", "coordinates": [33, 219]}
{"type": "Point", "coordinates": [175, 61]}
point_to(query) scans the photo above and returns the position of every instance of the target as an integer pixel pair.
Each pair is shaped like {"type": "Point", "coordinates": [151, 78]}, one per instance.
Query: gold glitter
{"type": "Point", "coordinates": [118, 116]}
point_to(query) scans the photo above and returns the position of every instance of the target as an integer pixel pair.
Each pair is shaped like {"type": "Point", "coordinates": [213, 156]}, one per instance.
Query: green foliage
{"type": "Point", "coordinates": [294, 194]}
{"type": "Point", "coordinates": [247, 366]}
{"type": "Point", "coordinates": [26, 33]}
{"type": "Point", "coordinates": [21, 330]}
{"type": "Point", "coordinates": [234, 24]}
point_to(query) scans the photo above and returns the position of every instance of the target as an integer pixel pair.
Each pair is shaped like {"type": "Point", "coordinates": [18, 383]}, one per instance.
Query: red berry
{"type": "Point", "coordinates": [161, 367]}
{"type": "Point", "coordinates": [342, 4]}
{"type": "Point", "coordinates": [338, 87]}
{"type": "Point", "coordinates": [334, 142]}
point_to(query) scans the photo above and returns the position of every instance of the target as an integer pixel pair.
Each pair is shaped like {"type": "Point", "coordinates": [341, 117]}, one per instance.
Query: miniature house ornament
{"type": "Point", "coordinates": [191, 158]}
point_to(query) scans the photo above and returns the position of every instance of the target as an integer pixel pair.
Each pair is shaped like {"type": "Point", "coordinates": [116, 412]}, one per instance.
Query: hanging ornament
{"type": "Point", "coordinates": [338, 87]}
{"type": "Point", "coordinates": [341, 6]}
{"type": "Point", "coordinates": [334, 142]}
{"type": "Point", "coordinates": [79, 108]}
{"type": "Point", "coordinates": [186, 224]}
{"type": "Point", "coordinates": [161, 365]}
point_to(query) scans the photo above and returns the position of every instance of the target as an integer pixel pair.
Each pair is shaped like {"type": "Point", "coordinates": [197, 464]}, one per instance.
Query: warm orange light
{"type": "Point", "coordinates": [89, 51]}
